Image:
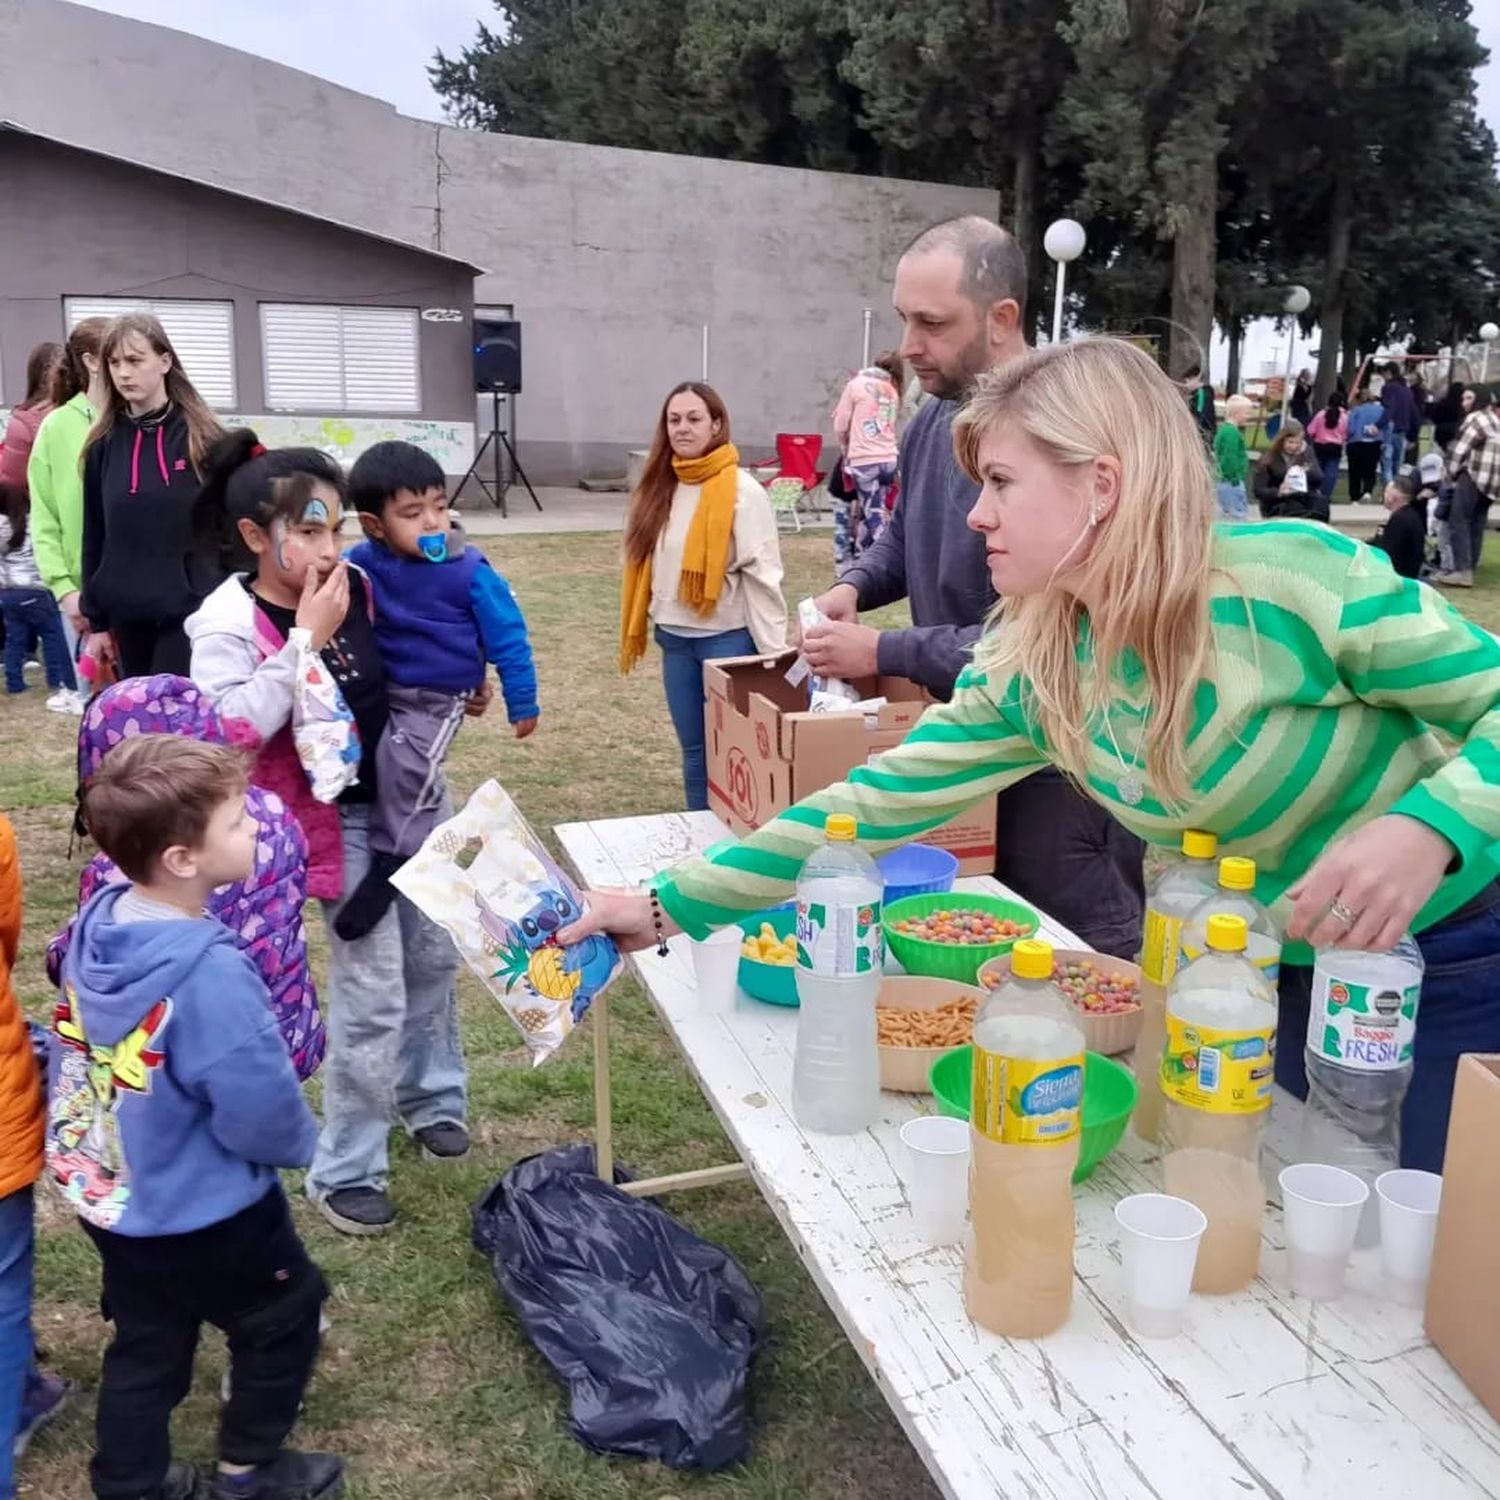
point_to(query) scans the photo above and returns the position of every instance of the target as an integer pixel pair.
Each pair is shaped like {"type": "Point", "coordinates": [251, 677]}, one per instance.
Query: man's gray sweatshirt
{"type": "Point", "coordinates": [928, 554]}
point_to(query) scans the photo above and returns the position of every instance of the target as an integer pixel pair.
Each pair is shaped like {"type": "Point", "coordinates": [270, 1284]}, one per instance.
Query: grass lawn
{"type": "Point", "coordinates": [426, 1384]}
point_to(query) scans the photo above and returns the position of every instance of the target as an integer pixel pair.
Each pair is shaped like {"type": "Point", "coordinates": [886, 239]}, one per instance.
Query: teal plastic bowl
{"type": "Point", "coordinates": [775, 984]}
{"type": "Point", "coordinates": [952, 960]}
{"type": "Point", "coordinates": [1109, 1095]}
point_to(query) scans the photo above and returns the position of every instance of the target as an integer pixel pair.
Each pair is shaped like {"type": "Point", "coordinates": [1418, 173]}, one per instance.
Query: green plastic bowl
{"type": "Point", "coordinates": [951, 960]}
{"type": "Point", "coordinates": [776, 984]}
{"type": "Point", "coordinates": [1109, 1095]}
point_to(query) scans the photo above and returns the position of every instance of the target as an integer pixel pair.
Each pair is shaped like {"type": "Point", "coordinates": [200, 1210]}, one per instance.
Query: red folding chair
{"type": "Point", "coordinates": [798, 476]}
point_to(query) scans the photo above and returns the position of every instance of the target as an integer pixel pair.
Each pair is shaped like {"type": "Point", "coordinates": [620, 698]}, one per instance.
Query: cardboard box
{"type": "Point", "coordinates": [1463, 1297]}
{"type": "Point", "coordinates": [765, 751]}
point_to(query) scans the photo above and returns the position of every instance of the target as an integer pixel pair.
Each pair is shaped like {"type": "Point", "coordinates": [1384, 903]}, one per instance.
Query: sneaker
{"type": "Point", "coordinates": [358, 1210]}
{"type": "Point", "coordinates": [46, 1396]}
{"type": "Point", "coordinates": [1464, 580]}
{"type": "Point", "coordinates": [443, 1142]}
{"type": "Point", "coordinates": [290, 1476]}
{"type": "Point", "coordinates": [65, 701]}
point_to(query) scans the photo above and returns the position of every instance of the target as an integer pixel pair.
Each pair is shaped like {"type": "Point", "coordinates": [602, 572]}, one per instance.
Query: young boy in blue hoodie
{"type": "Point", "coordinates": [173, 1104]}
{"type": "Point", "coordinates": [441, 613]}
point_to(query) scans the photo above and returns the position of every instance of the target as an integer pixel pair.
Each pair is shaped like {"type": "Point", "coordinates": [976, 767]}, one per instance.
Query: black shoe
{"type": "Point", "coordinates": [183, 1482]}
{"type": "Point", "coordinates": [358, 1210]}
{"type": "Point", "coordinates": [443, 1142]}
{"type": "Point", "coordinates": [370, 899]}
{"type": "Point", "coordinates": [290, 1476]}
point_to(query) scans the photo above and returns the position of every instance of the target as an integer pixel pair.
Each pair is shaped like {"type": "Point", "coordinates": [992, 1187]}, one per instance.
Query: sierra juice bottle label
{"type": "Point", "coordinates": [1161, 946]}
{"type": "Point", "coordinates": [1022, 1102]}
{"type": "Point", "coordinates": [1219, 1072]}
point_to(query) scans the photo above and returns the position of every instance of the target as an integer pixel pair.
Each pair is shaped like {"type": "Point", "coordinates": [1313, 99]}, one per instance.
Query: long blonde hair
{"type": "Point", "coordinates": [203, 427]}
{"type": "Point", "coordinates": [1149, 568]}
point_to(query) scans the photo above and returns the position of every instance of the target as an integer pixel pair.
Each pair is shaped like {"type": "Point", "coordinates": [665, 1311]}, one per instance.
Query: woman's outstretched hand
{"type": "Point", "coordinates": [1380, 876]}
{"type": "Point", "coordinates": [623, 915]}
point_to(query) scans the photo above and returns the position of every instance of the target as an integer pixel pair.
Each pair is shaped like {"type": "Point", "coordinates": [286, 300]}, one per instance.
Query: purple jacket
{"type": "Point", "coordinates": [265, 912]}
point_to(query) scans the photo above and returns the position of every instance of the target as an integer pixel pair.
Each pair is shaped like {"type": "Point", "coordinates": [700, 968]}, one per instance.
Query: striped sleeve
{"type": "Point", "coordinates": [1402, 645]}
{"type": "Point", "coordinates": [958, 753]}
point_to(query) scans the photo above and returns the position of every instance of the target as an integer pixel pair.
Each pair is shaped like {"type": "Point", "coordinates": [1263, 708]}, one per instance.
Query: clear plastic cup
{"type": "Point", "coordinates": [716, 965]}
{"type": "Point", "coordinates": [1322, 1207]}
{"type": "Point", "coordinates": [1159, 1238]}
{"type": "Point", "coordinates": [1409, 1203]}
{"type": "Point", "coordinates": [937, 1176]}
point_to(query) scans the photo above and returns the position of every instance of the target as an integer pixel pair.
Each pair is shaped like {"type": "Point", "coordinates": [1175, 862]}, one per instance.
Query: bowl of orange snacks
{"type": "Point", "coordinates": [1106, 992]}
{"type": "Point", "coordinates": [917, 1019]}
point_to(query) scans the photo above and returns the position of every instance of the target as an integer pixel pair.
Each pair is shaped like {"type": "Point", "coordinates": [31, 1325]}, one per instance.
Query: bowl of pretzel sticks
{"type": "Point", "coordinates": [917, 1020]}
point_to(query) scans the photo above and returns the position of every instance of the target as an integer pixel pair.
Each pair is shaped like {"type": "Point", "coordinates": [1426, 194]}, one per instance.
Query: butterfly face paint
{"type": "Point", "coordinates": [315, 513]}
{"type": "Point", "coordinates": [280, 536]}
{"type": "Point", "coordinates": [434, 547]}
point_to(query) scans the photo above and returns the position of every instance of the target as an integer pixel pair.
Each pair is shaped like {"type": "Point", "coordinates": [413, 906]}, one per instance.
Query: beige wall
{"type": "Point", "coordinates": [613, 260]}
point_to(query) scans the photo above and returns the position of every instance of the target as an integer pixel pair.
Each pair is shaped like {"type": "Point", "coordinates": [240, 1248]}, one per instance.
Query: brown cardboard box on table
{"type": "Point", "coordinates": [1463, 1296]}
{"type": "Point", "coordinates": [765, 751]}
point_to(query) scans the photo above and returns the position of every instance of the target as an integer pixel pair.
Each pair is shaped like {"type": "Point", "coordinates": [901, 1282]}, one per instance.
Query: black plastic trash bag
{"type": "Point", "coordinates": [651, 1328]}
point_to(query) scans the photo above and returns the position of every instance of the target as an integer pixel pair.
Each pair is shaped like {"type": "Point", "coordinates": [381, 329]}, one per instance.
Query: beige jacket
{"type": "Point", "coordinates": [751, 598]}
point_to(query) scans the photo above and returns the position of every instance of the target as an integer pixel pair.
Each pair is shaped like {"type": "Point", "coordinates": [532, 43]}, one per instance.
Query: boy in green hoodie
{"type": "Point", "coordinates": [1233, 460]}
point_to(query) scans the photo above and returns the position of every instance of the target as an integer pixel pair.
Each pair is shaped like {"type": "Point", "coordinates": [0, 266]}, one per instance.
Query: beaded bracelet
{"type": "Point", "coordinates": [657, 923]}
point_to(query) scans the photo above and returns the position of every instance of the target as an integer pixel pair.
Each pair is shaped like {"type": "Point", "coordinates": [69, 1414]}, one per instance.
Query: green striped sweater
{"type": "Point", "coordinates": [1338, 691]}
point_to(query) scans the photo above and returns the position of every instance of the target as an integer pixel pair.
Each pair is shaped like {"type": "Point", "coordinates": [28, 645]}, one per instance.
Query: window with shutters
{"type": "Point", "coordinates": [202, 333]}
{"type": "Point", "coordinates": [342, 359]}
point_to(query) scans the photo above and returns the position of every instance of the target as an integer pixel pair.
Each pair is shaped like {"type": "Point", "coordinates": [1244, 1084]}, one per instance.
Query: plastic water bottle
{"type": "Point", "coordinates": [1023, 1134]}
{"type": "Point", "coordinates": [1235, 897]}
{"type": "Point", "coordinates": [1216, 1079]}
{"type": "Point", "coordinates": [1170, 902]}
{"type": "Point", "coordinates": [1360, 1032]}
{"type": "Point", "coordinates": [840, 960]}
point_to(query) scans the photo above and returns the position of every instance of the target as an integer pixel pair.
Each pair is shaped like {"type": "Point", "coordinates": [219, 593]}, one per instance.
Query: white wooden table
{"type": "Point", "coordinates": [1266, 1394]}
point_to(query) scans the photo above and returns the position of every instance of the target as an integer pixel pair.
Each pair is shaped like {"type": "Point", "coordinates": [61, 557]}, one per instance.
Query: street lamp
{"type": "Point", "coordinates": [1488, 333]}
{"type": "Point", "coordinates": [1064, 241]}
{"type": "Point", "coordinates": [1298, 300]}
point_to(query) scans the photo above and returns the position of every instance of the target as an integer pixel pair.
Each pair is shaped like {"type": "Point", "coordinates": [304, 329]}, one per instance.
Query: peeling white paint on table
{"type": "Point", "coordinates": [1266, 1394]}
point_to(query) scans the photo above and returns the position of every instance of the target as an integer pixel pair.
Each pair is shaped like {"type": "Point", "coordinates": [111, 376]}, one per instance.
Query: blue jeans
{"type": "Point", "coordinates": [682, 658]}
{"type": "Point", "coordinates": [26, 610]}
{"type": "Point", "coordinates": [16, 1244]}
{"type": "Point", "coordinates": [1392, 452]}
{"type": "Point", "coordinates": [391, 1004]}
{"type": "Point", "coordinates": [1233, 505]}
{"type": "Point", "coordinates": [1459, 1012]}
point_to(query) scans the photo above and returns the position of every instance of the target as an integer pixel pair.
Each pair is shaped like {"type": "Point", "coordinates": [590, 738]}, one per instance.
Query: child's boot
{"type": "Point", "coordinates": [289, 1476]}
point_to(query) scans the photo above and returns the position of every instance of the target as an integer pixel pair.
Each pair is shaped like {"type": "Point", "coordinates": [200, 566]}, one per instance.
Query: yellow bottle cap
{"type": "Point", "coordinates": [1236, 873]}
{"type": "Point", "coordinates": [841, 827]}
{"type": "Point", "coordinates": [1031, 958]}
{"type": "Point", "coordinates": [1199, 845]}
{"type": "Point", "coordinates": [1227, 934]}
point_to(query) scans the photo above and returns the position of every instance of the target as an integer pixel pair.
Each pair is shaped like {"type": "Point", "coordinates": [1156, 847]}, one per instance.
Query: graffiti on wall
{"type": "Point", "coordinates": [345, 438]}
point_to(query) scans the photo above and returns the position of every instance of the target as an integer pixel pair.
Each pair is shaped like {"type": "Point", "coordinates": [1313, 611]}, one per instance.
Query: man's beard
{"type": "Point", "coordinates": [958, 385]}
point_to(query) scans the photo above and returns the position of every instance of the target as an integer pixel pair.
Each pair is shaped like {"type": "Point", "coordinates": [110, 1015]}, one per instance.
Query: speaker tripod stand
{"type": "Point", "coordinates": [497, 487]}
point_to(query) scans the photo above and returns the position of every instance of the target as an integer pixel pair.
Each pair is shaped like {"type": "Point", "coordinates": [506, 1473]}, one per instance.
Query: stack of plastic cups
{"type": "Point", "coordinates": [1322, 1207]}
{"type": "Point", "coordinates": [1159, 1238]}
{"type": "Point", "coordinates": [1409, 1202]}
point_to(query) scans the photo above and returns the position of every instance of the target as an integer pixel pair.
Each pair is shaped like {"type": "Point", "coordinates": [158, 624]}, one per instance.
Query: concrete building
{"type": "Point", "coordinates": [306, 330]}
{"type": "Point", "coordinates": [614, 261]}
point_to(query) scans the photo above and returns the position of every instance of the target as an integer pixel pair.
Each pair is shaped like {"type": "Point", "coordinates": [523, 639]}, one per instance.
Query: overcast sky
{"type": "Point", "coordinates": [383, 47]}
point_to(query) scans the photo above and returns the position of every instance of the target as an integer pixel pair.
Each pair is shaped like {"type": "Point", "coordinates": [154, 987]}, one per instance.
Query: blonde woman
{"type": "Point", "coordinates": [1276, 684]}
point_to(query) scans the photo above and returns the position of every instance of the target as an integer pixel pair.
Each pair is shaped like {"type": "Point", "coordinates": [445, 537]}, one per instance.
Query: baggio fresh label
{"type": "Point", "coordinates": [1368, 1026]}
{"type": "Point", "coordinates": [840, 941]}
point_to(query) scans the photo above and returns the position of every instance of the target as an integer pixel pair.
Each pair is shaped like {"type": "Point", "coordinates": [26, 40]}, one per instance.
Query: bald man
{"type": "Point", "coordinates": [961, 295]}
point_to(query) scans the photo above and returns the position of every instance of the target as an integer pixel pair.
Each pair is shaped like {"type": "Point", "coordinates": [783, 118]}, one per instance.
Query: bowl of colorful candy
{"type": "Point", "coordinates": [1105, 990]}
{"type": "Point", "coordinates": [951, 936]}
{"type": "Point", "coordinates": [1109, 1095]}
{"type": "Point", "coordinates": [768, 956]}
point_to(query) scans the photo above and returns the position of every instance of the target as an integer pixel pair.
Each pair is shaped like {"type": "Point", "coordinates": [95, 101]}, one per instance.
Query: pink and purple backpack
{"type": "Point", "coordinates": [265, 912]}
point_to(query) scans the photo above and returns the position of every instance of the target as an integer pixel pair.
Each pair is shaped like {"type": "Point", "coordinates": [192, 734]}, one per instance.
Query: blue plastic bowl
{"type": "Point", "coordinates": [917, 870]}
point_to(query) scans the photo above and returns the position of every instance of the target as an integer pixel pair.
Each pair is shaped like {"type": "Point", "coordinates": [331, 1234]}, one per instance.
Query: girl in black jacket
{"type": "Point", "coordinates": [1289, 478]}
{"type": "Point", "coordinates": [141, 468]}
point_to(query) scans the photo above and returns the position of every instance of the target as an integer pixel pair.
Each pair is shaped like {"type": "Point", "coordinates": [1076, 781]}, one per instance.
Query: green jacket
{"type": "Point", "coordinates": [54, 475]}
{"type": "Point", "coordinates": [1229, 449]}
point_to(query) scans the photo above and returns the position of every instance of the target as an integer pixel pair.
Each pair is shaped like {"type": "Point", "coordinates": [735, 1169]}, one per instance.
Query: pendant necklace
{"type": "Point", "coordinates": [1132, 785]}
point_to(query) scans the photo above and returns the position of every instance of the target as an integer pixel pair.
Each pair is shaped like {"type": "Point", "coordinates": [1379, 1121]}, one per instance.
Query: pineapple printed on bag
{"type": "Point", "coordinates": [529, 952]}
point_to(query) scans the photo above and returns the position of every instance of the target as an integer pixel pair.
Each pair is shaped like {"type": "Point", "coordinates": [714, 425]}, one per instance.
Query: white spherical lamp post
{"type": "Point", "coordinates": [1063, 241]}
{"type": "Point", "coordinates": [1488, 333]}
{"type": "Point", "coordinates": [1298, 300]}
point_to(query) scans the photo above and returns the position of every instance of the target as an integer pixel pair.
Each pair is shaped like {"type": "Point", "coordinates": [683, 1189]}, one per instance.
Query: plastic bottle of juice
{"type": "Point", "coordinates": [1028, 1090]}
{"type": "Point", "coordinates": [1169, 903]}
{"type": "Point", "coordinates": [840, 960]}
{"type": "Point", "coordinates": [1360, 1035]}
{"type": "Point", "coordinates": [1216, 1081]}
{"type": "Point", "coordinates": [1235, 897]}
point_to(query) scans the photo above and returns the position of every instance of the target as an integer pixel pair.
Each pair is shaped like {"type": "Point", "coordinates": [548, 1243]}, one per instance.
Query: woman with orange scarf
{"type": "Point", "coordinates": [702, 565]}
